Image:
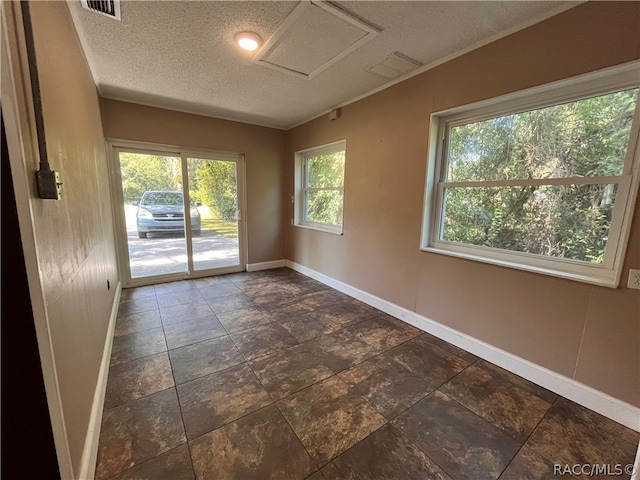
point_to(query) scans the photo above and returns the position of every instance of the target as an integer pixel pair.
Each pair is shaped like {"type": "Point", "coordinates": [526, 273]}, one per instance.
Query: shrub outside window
{"type": "Point", "coordinates": [320, 187]}
{"type": "Point", "coordinates": [544, 180]}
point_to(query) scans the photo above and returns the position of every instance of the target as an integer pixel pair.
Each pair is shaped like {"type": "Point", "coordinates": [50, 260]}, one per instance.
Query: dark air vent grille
{"type": "Point", "coordinates": [110, 8]}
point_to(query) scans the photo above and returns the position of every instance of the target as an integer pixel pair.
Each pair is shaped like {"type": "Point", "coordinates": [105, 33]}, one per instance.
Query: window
{"type": "Point", "coordinates": [320, 187]}
{"type": "Point", "coordinates": [543, 180]}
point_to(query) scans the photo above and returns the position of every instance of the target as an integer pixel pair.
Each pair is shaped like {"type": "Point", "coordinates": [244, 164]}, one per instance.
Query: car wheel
{"type": "Point", "coordinates": [142, 235]}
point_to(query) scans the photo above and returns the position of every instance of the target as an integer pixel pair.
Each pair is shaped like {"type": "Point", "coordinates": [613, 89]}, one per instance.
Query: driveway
{"type": "Point", "coordinates": [159, 254]}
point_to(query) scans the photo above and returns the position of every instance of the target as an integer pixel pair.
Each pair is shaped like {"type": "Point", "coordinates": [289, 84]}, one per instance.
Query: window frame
{"type": "Point", "coordinates": [584, 86]}
{"type": "Point", "coordinates": [302, 189]}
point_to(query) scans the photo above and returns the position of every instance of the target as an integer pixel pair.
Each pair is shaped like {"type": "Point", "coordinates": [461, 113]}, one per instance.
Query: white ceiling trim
{"type": "Point", "coordinates": [459, 53]}
{"type": "Point", "coordinates": [303, 6]}
{"type": "Point", "coordinates": [190, 112]}
{"type": "Point", "coordinates": [92, 31]}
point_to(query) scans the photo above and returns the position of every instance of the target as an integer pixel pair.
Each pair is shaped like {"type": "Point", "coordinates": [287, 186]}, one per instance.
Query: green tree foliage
{"type": "Point", "coordinates": [212, 183]}
{"type": "Point", "coordinates": [586, 138]}
{"type": "Point", "coordinates": [216, 187]}
{"type": "Point", "coordinates": [325, 180]}
{"type": "Point", "coordinates": [141, 172]}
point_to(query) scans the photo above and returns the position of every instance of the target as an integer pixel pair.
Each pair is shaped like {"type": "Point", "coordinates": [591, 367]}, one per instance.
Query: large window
{"type": "Point", "coordinates": [544, 180]}
{"type": "Point", "coordinates": [320, 187]}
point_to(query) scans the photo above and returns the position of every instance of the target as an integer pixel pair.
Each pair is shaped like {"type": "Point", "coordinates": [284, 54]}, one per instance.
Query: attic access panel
{"type": "Point", "coordinates": [313, 37]}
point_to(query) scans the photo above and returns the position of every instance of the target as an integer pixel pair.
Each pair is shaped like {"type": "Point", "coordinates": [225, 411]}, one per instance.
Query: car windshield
{"type": "Point", "coordinates": [162, 198]}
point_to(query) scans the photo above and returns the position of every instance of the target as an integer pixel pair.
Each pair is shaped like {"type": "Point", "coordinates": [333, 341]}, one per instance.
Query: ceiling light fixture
{"type": "Point", "coordinates": [248, 40]}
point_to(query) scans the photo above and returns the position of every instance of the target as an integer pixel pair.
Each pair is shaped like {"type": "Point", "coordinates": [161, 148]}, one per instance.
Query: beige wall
{"type": "Point", "coordinates": [581, 331]}
{"type": "Point", "coordinates": [263, 148]}
{"type": "Point", "coordinates": [73, 236]}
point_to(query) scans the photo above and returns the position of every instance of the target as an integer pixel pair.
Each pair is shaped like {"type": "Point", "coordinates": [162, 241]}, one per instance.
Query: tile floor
{"type": "Point", "coordinates": [272, 375]}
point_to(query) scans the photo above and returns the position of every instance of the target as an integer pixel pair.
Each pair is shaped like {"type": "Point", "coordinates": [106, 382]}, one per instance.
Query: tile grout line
{"type": "Point", "coordinates": [184, 427]}
{"type": "Point", "coordinates": [175, 386]}
{"type": "Point", "coordinates": [494, 426]}
{"type": "Point", "coordinates": [415, 445]}
{"type": "Point", "coordinates": [197, 341]}
{"type": "Point", "coordinates": [275, 403]}
{"type": "Point", "coordinates": [335, 374]}
{"type": "Point", "coordinates": [529, 437]}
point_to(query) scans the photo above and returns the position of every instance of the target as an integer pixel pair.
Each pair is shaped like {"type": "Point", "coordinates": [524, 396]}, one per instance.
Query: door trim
{"type": "Point", "coordinates": [17, 110]}
{"type": "Point", "coordinates": [113, 145]}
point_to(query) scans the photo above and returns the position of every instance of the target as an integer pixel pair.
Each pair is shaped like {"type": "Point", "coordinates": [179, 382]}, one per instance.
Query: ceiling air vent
{"type": "Point", "coordinates": [110, 8]}
{"type": "Point", "coordinates": [393, 65]}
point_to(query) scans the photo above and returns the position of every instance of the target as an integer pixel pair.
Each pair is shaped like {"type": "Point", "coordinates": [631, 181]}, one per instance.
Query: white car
{"type": "Point", "coordinates": [163, 211]}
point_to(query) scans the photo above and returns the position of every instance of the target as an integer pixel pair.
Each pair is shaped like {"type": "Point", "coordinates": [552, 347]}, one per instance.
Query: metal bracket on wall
{"type": "Point", "coordinates": [48, 181]}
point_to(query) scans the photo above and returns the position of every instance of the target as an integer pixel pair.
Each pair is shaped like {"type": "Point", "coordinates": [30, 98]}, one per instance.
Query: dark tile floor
{"type": "Point", "coordinates": [272, 375]}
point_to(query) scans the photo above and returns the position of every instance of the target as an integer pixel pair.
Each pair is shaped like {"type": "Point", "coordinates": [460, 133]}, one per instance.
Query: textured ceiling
{"type": "Point", "coordinates": [182, 55]}
{"type": "Point", "coordinates": [314, 37]}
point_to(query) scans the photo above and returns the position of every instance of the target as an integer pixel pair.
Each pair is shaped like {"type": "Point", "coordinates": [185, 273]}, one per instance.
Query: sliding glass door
{"type": "Point", "coordinates": [214, 184]}
{"type": "Point", "coordinates": [153, 204]}
{"type": "Point", "coordinates": [178, 213]}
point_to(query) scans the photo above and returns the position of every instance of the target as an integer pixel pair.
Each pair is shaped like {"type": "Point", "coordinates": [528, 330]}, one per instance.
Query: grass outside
{"type": "Point", "coordinates": [226, 228]}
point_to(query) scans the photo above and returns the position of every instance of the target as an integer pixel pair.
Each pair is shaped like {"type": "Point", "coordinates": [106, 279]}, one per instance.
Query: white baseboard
{"type": "Point", "coordinates": [254, 267]}
{"type": "Point", "coordinates": [600, 402]}
{"type": "Point", "coordinates": [636, 466]}
{"type": "Point", "coordinates": [90, 451]}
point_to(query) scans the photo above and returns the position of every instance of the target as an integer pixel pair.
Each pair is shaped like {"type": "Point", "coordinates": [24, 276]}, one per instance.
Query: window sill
{"type": "Point", "coordinates": [319, 228]}
{"type": "Point", "coordinates": [604, 278]}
